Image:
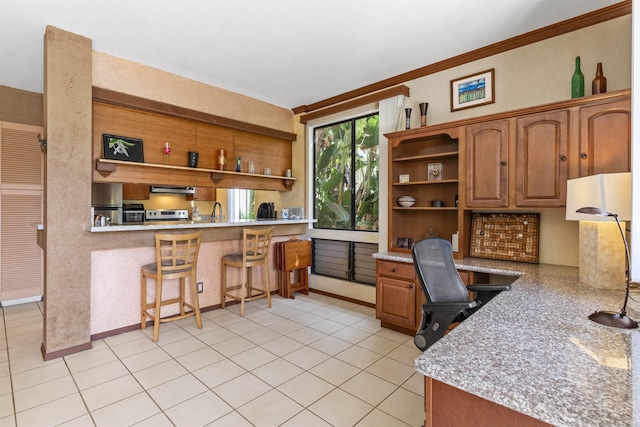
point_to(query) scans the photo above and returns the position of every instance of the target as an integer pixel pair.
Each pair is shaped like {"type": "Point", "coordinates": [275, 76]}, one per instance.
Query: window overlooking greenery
{"type": "Point", "coordinates": [346, 174]}
{"type": "Point", "coordinates": [241, 204]}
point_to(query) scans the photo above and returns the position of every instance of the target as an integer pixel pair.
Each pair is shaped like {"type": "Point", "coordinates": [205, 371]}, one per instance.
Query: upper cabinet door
{"type": "Point", "coordinates": [605, 138]}
{"type": "Point", "coordinates": [542, 144]}
{"type": "Point", "coordinates": [486, 154]}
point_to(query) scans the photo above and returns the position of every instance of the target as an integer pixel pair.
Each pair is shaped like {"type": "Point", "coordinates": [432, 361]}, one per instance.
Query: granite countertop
{"type": "Point", "coordinates": [533, 349]}
{"type": "Point", "coordinates": [171, 225]}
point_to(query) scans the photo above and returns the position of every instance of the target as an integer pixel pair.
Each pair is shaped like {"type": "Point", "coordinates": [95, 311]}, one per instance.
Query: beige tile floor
{"type": "Point", "coordinates": [309, 361]}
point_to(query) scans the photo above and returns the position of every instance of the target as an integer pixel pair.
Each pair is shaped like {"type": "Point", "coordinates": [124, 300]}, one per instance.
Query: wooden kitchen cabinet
{"type": "Point", "coordinates": [605, 137]}
{"type": "Point", "coordinates": [203, 194]}
{"type": "Point", "coordinates": [423, 165]}
{"type": "Point", "coordinates": [542, 150]}
{"type": "Point", "coordinates": [135, 191]}
{"type": "Point", "coordinates": [397, 299]}
{"type": "Point", "coordinates": [486, 165]}
{"type": "Point", "coordinates": [187, 130]}
{"type": "Point", "coordinates": [509, 160]}
{"type": "Point", "coordinates": [399, 296]}
{"type": "Point", "coordinates": [523, 159]}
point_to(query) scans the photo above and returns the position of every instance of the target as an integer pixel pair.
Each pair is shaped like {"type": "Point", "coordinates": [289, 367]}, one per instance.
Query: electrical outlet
{"type": "Point", "coordinates": [200, 286]}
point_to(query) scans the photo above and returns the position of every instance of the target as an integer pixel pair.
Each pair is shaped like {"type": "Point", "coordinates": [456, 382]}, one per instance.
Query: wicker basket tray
{"type": "Point", "coordinates": [505, 236]}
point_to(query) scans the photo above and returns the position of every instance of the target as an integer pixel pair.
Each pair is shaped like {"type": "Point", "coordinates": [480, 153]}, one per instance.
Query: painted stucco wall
{"type": "Point", "coordinates": [120, 75]}
{"type": "Point", "coordinates": [67, 123]}
{"type": "Point", "coordinates": [20, 106]}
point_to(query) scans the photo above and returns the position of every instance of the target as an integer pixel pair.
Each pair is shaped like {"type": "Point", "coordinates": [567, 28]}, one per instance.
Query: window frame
{"type": "Point", "coordinates": [353, 160]}
{"type": "Point", "coordinates": [330, 234]}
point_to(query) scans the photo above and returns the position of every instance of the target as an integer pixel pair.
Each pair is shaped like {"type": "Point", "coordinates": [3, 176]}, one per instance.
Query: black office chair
{"type": "Point", "coordinates": [447, 296]}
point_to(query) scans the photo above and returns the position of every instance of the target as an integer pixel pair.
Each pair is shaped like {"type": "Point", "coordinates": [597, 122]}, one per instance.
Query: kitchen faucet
{"type": "Point", "coordinates": [214, 217]}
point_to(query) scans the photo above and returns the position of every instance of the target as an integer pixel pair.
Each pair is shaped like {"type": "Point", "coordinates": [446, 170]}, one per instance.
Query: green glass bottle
{"type": "Point", "coordinates": [577, 81]}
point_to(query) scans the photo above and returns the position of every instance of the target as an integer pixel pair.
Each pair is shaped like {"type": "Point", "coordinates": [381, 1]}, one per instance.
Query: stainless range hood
{"type": "Point", "coordinates": [171, 189]}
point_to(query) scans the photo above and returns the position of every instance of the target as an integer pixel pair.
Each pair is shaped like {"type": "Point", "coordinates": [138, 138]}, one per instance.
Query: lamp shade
{"type": "Point", "coordinates": [610, 192]}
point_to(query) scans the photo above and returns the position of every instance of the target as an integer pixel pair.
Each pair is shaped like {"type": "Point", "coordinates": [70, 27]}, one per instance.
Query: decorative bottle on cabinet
{"type": "Point", "coordinates": [599, 84]}
{"type": "Point", "coordinates": [577, 81]}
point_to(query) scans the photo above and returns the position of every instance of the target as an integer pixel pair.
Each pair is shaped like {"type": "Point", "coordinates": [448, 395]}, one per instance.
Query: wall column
{"type": "Point", "coordinates": [67, 255]}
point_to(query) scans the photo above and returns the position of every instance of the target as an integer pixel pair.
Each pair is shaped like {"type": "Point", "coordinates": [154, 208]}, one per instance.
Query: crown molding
{"type": "Point", "coordinates": [588, 19]}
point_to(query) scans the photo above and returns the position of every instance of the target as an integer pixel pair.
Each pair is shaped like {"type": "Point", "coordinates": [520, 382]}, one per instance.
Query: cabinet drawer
{"type": "Point", "coordinates": [396, 269]}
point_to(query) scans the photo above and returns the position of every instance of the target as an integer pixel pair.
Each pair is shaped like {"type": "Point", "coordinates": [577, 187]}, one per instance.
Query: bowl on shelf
{"type": "Point", "coordinates": [406, 201]}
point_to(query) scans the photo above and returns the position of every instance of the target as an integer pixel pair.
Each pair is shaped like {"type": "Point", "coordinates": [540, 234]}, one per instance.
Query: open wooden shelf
{"type": "Point", "coordinates": [427, 157]}
{"type": "Point", "coordinates": [425, 208]}
{"type": "Point", "coordinates": [411, 155]}
{"type": "Point", "coordinates": [108, 166]}
{"type": "Point", "coordinates": [442, 181]}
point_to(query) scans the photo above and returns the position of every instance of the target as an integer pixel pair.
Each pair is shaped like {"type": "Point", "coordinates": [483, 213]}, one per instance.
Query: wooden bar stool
{"type": "Point", "coordinates": [176, 258]}
{"type": "Point", "coordinates": [255, 253]}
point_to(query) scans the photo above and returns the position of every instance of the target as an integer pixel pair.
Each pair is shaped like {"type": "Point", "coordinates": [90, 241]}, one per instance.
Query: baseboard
{"type": "Point", "coordinates": [17, 301]}
{"type": "Point", "coordinates": [343, 298]}
{"type": "Point", "coordinates": [64, 352]}
{"type": "Point", "coordinates": [113, 332]}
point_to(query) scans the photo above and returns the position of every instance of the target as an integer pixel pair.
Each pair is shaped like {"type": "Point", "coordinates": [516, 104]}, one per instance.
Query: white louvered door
{"type": "Point", "coordinates": [21, 207]}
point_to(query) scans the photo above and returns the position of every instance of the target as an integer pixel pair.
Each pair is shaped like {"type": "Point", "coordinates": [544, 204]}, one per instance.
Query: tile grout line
{"type": "Point", "coordinates": [190, 333]}
{"type": "Point", "coordinates": [335, 387]}
{"type": "Point", "coordinates": [138, 382]}
{"type": "Point", "coordinates": [79, 394]}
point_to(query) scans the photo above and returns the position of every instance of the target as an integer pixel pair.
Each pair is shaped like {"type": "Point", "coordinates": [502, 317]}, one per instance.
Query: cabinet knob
{"type": "Point", "coordinates": [395, 270]}
{"type": "Point", "coordinates": [583, 155]}
{"type": "Point", "coordinates": [503, 163]}
{"type": "Point", "coordinates": [563, 157]}
{"type": "Point", "coordinates": [411, 286]}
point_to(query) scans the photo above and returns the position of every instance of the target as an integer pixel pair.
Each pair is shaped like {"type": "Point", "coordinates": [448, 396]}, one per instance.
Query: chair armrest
{"type": "Point", "coordinates": [490, 288]}
{"type": "Point", "coordinates": [449, 306]}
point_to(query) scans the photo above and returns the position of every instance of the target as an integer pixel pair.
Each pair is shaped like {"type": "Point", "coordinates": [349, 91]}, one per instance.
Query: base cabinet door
{"type": "Point", "coordinates": [396, 302]}
{"type": "Point", "coordinates": [542, 145]}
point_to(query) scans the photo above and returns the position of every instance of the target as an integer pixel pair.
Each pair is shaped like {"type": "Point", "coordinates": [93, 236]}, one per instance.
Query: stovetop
{"type": "Point", "coordinates": [166, 215]}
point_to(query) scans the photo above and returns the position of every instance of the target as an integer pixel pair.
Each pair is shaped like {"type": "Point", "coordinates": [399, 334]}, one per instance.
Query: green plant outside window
{"type": "Point", "coordinates": [347, 174]}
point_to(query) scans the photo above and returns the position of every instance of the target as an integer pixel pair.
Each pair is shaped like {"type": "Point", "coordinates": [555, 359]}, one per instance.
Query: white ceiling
{"type": "Point", "coordinates": [285, 52]}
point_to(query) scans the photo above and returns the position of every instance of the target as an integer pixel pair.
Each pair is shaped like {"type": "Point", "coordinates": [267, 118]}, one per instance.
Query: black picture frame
{"type": "Point", "coordinates": [404, 243]}
{"type": "Point", "coordinates": [115, 147]}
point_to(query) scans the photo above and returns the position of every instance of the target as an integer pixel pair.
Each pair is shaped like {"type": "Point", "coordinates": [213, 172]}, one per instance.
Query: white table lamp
{"type": "Point", "coordinates": [600, 202]}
